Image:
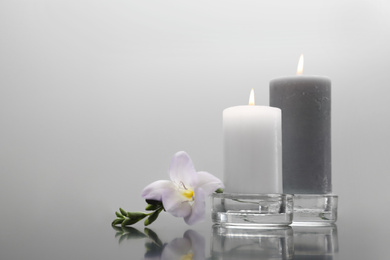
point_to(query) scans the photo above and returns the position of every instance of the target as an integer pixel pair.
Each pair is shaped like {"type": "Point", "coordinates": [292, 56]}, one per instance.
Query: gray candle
{"type": "Point", "coordinates": [306, 132]}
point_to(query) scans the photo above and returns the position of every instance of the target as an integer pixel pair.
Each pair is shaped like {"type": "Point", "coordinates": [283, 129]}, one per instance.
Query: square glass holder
{"type": "Point", "coordinates": [252, 210]}
{"type": "Point", "coordinates": [315, 209]}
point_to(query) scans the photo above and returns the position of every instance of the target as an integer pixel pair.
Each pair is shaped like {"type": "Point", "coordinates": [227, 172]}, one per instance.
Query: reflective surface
{"type": "Point", "coordinates": [90, 236]}
{"type": "Point", "coordinates": [297, 242]}
{"type": "Point", "coordinates": [236, 243]}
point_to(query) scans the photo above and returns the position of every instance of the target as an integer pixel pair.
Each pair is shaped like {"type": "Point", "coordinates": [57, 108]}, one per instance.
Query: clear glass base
{"type": "Point", "coordinates": [252, 210]}
{"type": "Point", "coordinates": [315, 209]}
{"type": "Point", "coordinates": [247, 244]}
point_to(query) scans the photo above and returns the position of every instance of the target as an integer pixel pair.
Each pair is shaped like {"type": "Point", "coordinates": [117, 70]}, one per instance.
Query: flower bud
{"type": "Point", "coordinates": [117, 221]}
{"type": "Point", "coordinates": [136, 215]}
{"type": "Point", "coordinates": [152, 218]}
{"type": "Point", "coordinates": [129, 221]}
{"type": "Point", "coordinates": [124, 213]}
{"type": "Point", "coordinates": [119, 215]}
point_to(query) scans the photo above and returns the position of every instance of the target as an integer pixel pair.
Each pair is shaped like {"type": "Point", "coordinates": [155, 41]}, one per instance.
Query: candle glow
{"type": "Point", "coordinates": [252, 98]}
{"type": "Point", "coordinates": [300, 65]}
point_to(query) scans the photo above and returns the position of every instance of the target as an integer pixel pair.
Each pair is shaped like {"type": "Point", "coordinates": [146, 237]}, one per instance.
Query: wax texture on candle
{"type": "Point", "coordinates": [305, 102]}
{"type": "Point", "coordinates": [252, 149]}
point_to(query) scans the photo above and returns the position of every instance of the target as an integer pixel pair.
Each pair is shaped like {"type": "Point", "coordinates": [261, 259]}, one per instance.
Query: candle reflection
{"type": "Point", "coordinates": [297, 242]}
{"type": "Point", "coordinates": [315, 242]}
{"type": "Point", "coordinates": [246, 244]}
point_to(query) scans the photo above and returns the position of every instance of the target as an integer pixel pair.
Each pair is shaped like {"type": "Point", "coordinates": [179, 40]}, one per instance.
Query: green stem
{"type": "Point", "coordinates": [125, 218]}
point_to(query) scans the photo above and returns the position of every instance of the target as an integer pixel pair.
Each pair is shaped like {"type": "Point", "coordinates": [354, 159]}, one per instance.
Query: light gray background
{"type": "Point", "coordinates": [96, 96]}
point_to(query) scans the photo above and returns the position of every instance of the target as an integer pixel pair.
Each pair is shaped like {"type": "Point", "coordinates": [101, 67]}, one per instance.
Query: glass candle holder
{"type": "Point", "coordinates": [252, 210]}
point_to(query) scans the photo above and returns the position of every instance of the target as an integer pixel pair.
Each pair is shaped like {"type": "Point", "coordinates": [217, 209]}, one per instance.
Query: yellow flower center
{"type": "Point", "coordinates": [188, 256]}
{"type": "Point", "coordinates": [189, 194]}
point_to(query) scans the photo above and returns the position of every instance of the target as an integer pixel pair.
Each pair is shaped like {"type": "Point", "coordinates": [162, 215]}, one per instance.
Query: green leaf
{"type": "Point", "coordinates": [152, 217]}
{"type": "Point", "coordinates": [124, 213]}
{"type": "Point", "coordinates": [136, 215]}
{"type": "Point", "coordinates": [117, 221]}
{"type": "Point", "coordinates": [219, 190]}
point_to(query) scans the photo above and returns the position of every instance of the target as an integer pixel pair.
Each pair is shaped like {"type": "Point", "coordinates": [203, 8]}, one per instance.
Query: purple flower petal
{"type": "Point", "coordinates": [198, 208]}
{"type": "Point", "coordinates": [186, 182]}
{"type": "Point", "coordinates": [155, 190]}
{"type": "Point", "coordinates": [175, 203]}
{"type": "Point", "coordinates": [182, 169]}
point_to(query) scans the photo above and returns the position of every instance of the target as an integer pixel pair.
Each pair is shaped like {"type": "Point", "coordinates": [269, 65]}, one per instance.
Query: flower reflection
{"type": "Point", "coordinates": [190, 246]}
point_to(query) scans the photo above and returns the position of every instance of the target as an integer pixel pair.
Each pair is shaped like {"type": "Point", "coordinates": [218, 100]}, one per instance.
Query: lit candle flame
{"type": "Point", "coordinates": [252, 98]}
{"type": "Point", "coordinates": [300, 65]}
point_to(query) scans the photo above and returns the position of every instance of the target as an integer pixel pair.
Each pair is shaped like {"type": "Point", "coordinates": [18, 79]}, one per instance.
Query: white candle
{"type": "Point", "coordinates": [252, 149]}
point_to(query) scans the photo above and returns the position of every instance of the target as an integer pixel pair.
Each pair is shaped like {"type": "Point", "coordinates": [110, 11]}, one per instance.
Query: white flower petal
{"type": "Point", "coordinates": [198, 208]}
{"type": "Point", "coordinates": [155, 190]}
{"type": "Point", "coordinates": [182, 169]}
{"type": "Point", "coordinates": [208, 182]}
{"type": "Point", "coordinates": [175, 203]}
{"type": "Point", "coordinates": [181, 210]}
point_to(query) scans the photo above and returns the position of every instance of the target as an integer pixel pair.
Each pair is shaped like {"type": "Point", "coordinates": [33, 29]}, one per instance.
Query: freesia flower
{"type": "Point", "coordinates": [185, 194]}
